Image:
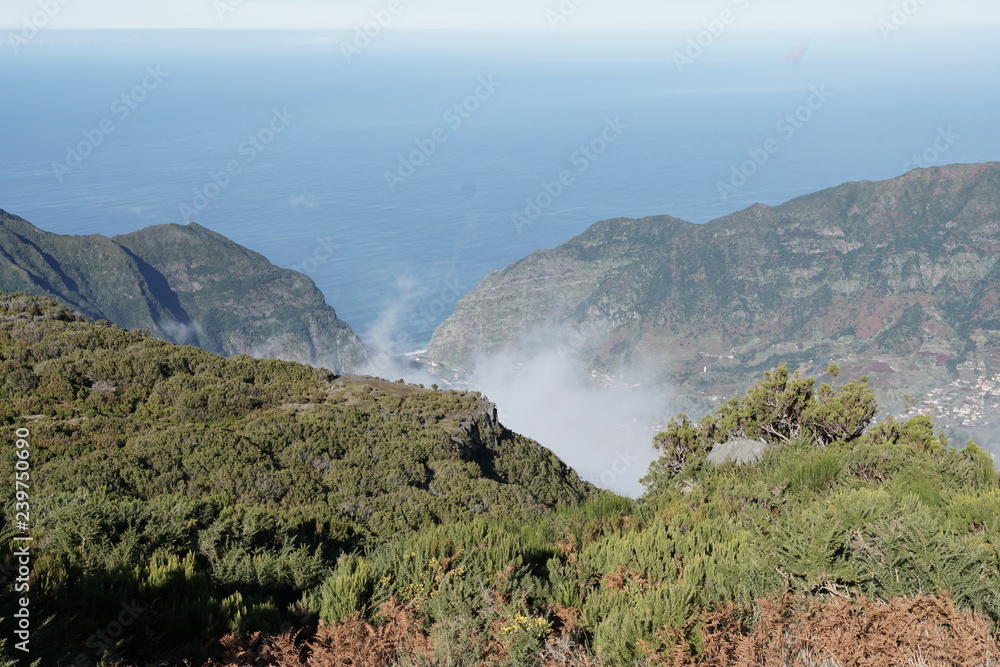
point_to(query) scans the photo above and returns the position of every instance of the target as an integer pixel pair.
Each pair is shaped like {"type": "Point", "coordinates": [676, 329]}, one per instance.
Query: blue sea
{"type": "Point", "coordinates": [399, 177]}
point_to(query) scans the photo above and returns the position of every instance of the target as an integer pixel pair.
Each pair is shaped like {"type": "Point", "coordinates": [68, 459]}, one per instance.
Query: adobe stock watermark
{"type": "Point", "coordinates": [225, 7]}
{"type": "Point", "coordinates": [121, 108]}
{"type": "Point", "coordinates": [258, 654]}
{"type": "Point", "coordinates": [249, 150]}
{"type": "Point", "coordinates": [22, 554]}
{"type": "Point", "coordinates": [100, 643]}
{"type": "Point", "coordinates": [701, 42]}
{"type": "Point", "coordinates": [581, 159]}
{"type": "Point", "coordinates": [365, 35]}
{"type": "Point", "coordinates": [620, 467]}
{"type": "Point", "coordinates": [786, 128]}
{"type": "Point", "coordinates": [323, 252]}
{"type": "Point", "coordinates": [563, 13]}
{"type": "Point", "coordinates": [932, 155]}
{"type": "Point", "coordinates": [572, 347]}
{"type": "Point", "coordinates": [34, 24]}
{"type": "Point", "coordinates": [901, 15]}
{"type": "Point", "coordinates": [454, 116]}
{"type": "Point", "coordinates": [444, 296]}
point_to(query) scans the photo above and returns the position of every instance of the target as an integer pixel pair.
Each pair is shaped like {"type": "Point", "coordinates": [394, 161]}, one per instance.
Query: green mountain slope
{"type": "Point", "coordinates": [186, 284]}
{"type": "Point", "coordinates": [181, 504]}
{"type": "Point", "coordinates": [139, 417]}
{"type": "Point", "coordinates": [896, 279]}
{"type": "Point", "coordinates": [211, 494]}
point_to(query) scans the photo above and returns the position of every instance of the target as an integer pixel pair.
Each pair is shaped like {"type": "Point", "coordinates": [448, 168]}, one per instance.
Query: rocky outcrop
{"type": "Point", "coordinates": [478, 431]}
{"type": "Point", "coordinates": [742, 451]}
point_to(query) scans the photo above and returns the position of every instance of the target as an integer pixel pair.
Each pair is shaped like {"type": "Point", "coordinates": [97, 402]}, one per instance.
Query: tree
{"type": "Point", "coordinates": [780, 408]}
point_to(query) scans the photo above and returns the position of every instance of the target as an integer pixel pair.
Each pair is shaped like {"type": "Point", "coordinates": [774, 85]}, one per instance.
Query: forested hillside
{"type": "Point", "coordinates": [155, 463]}
{"type": "Point", "coordinates": [183, 283]}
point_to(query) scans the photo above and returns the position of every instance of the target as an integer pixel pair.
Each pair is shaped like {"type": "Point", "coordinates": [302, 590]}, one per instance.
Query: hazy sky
{"type": "Point", "coordinates": [493, 14]}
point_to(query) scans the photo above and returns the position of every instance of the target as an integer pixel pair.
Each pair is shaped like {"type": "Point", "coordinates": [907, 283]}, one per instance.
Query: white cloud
{"type": "Point", "coordinates": [604, 433]}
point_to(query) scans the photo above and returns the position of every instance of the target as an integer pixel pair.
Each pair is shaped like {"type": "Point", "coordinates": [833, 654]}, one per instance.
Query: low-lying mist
{"type": "Point", "coordinates": [600, 426]}
{"type": "Point", "coordinates": [602, 430]}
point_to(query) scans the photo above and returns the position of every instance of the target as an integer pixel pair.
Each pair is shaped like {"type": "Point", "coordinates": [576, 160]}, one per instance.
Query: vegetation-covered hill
{"type": "Point", "coordinates": [260, 473]}
{"type": "Point", "coordinates": [185, 284]}
{"type": "Point", "coordinates": [849, 543]}
{"type": "Point", "coordinates": [897, 280]}
{"type": "Point", "coordinates": [183, 503]}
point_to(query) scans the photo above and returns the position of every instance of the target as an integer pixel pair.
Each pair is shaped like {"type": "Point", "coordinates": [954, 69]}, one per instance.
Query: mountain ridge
{"type": "Point", "coordinates": [185, 283]}
{"type": "Point", "coordinates": [894, 279]}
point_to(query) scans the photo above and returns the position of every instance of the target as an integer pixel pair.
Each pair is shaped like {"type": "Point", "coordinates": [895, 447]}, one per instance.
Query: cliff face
{"type": "Point", "coordinates": [895, 279]}
{"type": "Point", "coordinates": [185, 284]}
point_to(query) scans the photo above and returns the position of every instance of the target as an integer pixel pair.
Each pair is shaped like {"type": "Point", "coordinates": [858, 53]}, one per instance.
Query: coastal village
{"type": "Point", "coordinates": [972, 401]}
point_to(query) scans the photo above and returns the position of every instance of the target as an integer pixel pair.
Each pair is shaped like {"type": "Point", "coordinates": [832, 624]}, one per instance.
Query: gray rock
{"type": "Point", "coordinates": [740, 451]}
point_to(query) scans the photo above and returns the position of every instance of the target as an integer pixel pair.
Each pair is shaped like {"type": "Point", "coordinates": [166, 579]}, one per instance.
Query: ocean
{"type": "Point", "coordinates": [400, 174]}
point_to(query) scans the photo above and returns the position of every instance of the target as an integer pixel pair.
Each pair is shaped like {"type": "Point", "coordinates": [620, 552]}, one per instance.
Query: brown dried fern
{"type": "Point", "coordinates": [798, 631]}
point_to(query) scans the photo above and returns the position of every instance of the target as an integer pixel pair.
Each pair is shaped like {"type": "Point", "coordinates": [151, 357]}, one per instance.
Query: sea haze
{"type": "Point", "coordinates": [394, 262]}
